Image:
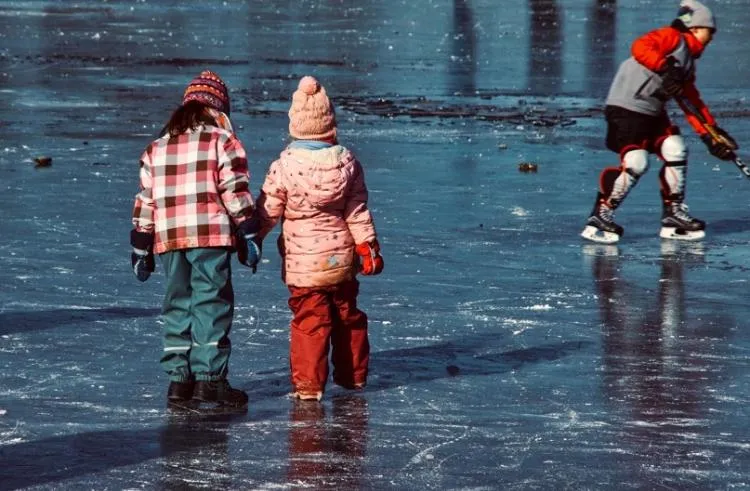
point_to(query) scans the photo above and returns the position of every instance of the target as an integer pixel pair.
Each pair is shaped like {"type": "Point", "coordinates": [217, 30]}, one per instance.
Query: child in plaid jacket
{"type": "Point", "coordinates": [194, 209]}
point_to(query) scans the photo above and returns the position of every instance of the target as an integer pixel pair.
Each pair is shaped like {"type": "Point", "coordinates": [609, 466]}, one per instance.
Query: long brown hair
{"type": "Point", "coordinates": [188, 116]}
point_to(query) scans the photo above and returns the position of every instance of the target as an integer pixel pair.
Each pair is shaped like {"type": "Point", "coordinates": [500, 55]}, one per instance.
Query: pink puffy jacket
{"type": "Point", "coordinates": [322, 197]}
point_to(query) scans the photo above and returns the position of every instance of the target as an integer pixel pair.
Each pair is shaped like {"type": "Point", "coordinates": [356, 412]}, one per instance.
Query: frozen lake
{"type": "Point", "coordinates": [506, 353]}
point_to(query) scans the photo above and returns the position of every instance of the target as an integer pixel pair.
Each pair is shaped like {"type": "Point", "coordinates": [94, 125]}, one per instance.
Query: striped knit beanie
{"type": "Point", "coordinates": [209, 89]}
{"type": "Point", "coordinates": [311, 116]}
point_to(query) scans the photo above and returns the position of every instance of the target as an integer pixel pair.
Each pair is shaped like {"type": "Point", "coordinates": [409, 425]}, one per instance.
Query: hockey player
{"type": "Point", "coordinates": [662, 66]}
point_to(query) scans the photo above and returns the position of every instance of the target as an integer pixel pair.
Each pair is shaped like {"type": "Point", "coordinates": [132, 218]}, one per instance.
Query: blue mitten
{"type": "Point", "coordinates": [249, 245]}
{"type": "Point", "coordinates": [142, 257]}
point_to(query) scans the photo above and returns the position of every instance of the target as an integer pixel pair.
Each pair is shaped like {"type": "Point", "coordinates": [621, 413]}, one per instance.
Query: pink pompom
{"type": "Point", "coordinates": [308, 85]}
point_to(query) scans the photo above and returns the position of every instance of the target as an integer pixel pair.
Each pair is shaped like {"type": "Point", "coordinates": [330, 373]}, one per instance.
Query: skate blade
{"type": "Point", "coordinates": [600, 236]}
{"type": "Point", "coordinates": [679, 234]}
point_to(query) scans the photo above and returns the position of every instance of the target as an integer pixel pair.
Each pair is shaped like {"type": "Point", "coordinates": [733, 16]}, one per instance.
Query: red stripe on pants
{"type": "Point", "coordinates": [326, 316]}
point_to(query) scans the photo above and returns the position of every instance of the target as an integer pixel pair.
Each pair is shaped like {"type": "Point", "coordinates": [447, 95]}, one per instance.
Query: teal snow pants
{"type": "Point", "coordinates": [197, 313]}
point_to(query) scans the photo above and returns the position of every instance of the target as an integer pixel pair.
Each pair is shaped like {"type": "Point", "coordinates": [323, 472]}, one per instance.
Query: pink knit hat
{"type": "Point", "coordinates": [311, 116]}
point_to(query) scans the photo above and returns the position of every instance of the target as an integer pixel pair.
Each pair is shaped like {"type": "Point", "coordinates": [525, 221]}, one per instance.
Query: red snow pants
{"type": "Point", "coordinates": [323, 317]}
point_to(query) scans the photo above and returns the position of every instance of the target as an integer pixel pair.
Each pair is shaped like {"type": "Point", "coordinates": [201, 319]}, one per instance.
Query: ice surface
{"type": "Point", "coordinates": [506, 353]}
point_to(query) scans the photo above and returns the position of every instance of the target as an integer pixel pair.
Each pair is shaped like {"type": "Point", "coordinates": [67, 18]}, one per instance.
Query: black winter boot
{"type": "Point", "coordinates": [219, 391]}
{"type": "Point", "coordinates": [180, 391]}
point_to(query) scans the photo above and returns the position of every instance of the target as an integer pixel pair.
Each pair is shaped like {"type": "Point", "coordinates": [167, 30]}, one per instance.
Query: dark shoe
{"type": "Point", "coordinates": [219, 391]}
{"type": "Point", "coordinates": [180, 391]}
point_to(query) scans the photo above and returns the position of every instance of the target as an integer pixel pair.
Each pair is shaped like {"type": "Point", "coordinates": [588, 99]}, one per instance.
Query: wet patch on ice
{"type": "Point", "coordinates": [521, 113]}
{"type": "Point", "coordinates": [538, 307]}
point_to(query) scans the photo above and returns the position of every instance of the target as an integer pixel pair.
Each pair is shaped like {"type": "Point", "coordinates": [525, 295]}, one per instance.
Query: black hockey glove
{"type": "Point", "coordinates": [672, 78]}
{"type": "Point", "coordinates": [720, 144]}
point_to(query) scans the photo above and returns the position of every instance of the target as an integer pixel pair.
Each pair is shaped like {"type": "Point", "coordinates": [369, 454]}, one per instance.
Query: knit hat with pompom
{"type": "Point", "coordinates": [311, 116]}
{"type": "Point", "coordinates": [209, 89]}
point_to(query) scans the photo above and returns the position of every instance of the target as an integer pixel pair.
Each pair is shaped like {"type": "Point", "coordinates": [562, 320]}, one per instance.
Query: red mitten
{"type": "Point", "coordinates": [370, 260]}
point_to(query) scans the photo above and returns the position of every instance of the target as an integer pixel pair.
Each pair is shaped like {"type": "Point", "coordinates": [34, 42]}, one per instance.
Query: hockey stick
{"type": "Point", "coordinates": [689, 108]}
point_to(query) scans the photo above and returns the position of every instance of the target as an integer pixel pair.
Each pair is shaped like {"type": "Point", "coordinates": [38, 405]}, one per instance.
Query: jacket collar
{"type": "Point", "coordinates": [696, 47]}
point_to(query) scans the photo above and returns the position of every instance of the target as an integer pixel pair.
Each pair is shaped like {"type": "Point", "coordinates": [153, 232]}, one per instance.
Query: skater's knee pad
{"type": "Point", "coordinates": [673, 149]}
{"type": "Point", "coordinates": [635, 162]}
{"type": "Point", "coordinates": [615, 182]}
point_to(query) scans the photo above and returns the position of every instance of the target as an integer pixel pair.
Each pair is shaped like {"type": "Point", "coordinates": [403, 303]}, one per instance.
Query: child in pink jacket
{"type": "Point", "coordinates": [317, 187]}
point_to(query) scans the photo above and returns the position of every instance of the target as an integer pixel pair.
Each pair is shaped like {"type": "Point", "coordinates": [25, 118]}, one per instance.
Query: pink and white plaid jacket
{"type": "Point", "coordinates": [194, 190]}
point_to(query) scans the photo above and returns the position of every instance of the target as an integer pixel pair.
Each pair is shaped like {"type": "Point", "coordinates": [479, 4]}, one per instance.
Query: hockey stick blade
{"type": "Point", "coordinates": [742, 167]}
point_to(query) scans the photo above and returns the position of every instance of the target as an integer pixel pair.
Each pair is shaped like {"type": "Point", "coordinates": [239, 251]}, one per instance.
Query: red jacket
{"type": "Point", "coordinates": [651, 51]}
{"type": "Point", "coordinates": [638, 82]}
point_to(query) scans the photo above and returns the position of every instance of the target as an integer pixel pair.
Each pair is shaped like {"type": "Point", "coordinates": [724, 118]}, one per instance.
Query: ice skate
{"type": "Point", "coordinates": [600, 226]}
{"type": "Point", "coordinates": [677, 223]}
